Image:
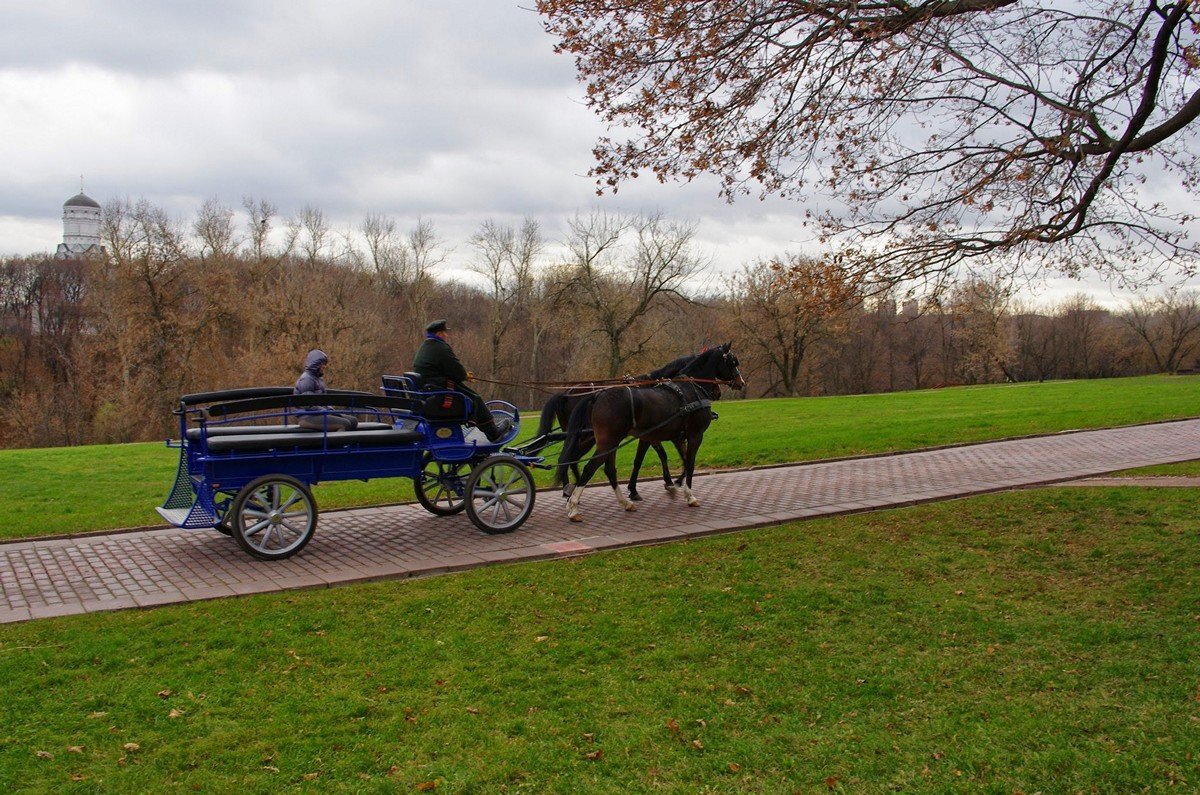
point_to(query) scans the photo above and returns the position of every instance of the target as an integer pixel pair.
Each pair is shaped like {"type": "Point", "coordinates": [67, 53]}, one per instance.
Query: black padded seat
{"type": "Point", "coordinates": [261, 442]}
{"type": "Point", "coordinates": [193, 434]}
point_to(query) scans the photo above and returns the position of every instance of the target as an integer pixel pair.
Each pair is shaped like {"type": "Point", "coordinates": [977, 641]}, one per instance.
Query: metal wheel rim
{"type": "Point", "coordinates": [442, 499]}
{"type": "Point", "coordinates": [276, 518]}
{"type": "Point", "coordinates": [501, 495]}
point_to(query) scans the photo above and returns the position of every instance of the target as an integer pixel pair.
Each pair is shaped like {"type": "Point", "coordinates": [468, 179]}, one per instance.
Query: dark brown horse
{"type": "Point", "coordinates": [678, 411]}
{"type": "Point", "coordinates": [561, 406]}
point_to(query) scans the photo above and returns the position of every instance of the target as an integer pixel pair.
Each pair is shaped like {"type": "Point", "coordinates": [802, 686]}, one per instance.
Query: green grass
{"type": "Point", "coordinates": [68, 490]}
{"type": "Point", "coordinates": [1027, 641]}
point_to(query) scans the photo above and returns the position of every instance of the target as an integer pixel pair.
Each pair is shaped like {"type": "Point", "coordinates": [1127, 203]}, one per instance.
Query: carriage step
{"type": "Point", "coordinates": [177, 517]}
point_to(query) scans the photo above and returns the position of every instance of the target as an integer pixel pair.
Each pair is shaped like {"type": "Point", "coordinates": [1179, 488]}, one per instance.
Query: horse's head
{"type": "Point", "coordinates": [727, 367]}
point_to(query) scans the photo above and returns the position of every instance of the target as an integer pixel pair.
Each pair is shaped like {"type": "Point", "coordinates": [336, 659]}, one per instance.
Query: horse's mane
{"type": "Point", "coordinates": [671, 368]}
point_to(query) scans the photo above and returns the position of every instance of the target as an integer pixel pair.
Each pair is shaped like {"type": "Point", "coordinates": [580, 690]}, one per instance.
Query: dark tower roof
{"type": "Point", "coordinates": [81, 200]}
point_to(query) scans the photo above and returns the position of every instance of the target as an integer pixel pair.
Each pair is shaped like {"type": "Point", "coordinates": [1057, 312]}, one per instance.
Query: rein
{"type": "Point", "coordinates": [595, 387]}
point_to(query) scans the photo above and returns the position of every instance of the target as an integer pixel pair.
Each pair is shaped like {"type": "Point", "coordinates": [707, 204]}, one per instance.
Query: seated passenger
{"type": "Point", "coordinates": [312, 382]}
{"type": "Point", "coordinates": [441, 369]}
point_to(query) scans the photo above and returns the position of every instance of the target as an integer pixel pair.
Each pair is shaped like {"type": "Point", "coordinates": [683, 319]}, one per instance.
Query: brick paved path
{"type": "Point", "coordinates": [109, 572]}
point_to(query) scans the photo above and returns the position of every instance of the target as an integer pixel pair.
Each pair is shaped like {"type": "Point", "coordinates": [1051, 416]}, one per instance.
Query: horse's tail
{"type": "Point", "coordinates": [578, 424]}
{"type": "Point", "coordinates": [550, 413]}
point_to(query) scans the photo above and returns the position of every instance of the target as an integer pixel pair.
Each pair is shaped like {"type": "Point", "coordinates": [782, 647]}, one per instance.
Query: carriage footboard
{"type": "Point", "coordinates": [183, 507]}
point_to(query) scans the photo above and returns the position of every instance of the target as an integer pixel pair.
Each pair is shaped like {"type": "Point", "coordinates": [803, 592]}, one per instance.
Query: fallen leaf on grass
{"type": "Point", "coordinates": [44, 755]}
{"type": "Point", "coordinates": [427, 786]}
{"type": "Point", "coordinates": [75, 749]}
{"type": "Point", "coordinates": [97, 714]}
{"type": "Point", "coordinates": [311, 776]}
{"type": "Point", "coordinates": [78, 777]}
{"type": "Point", "coordinates": [673, 725]}
{"type": "Point", "coordinates": [831, 782]}
{"type": "Point", "coordinates": [594, 755]}
{"type": "Point", "coordinates": [541, 638]}
{"type": "Point", "coordinates": [473, 710]}
{"type": "Point", "coordinates": [590, 737]}
{"type": "Point", "coordinates": [175, 713]}
{"type": "Point", "coordinates": [166, 693]}
{"type": "Point", "coordinates": [734, 767]}
{"type": "Point", "coordinates": [132, 747]}
{"type": "Point", "coordinates": [697, 744]}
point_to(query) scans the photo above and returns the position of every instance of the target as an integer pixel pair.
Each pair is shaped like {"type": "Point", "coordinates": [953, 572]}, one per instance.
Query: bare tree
{"type": "Point", "coordinates": [1080, 323]}
{"type": "Point", "coordinates": [387, 253]}
{"type": "Point", "coordinates": [259, 228]}
{"type": "Point", "coordinates": [1169, 325]}
{"type": "Point", "coordinates": [1039, 349]}
{"type": "Point", "coordinates": [985, 326]}
{"type": "Point", "coordinates": [505, 259]}
{"type": "Point", "coordinates": [620, 283]}
{"type": "Point", "coordinates": [939, 131]}
{"type": "Point", "coordinates": [311, 228]}
{"type": "Point", "coordinates": [213, 227]}
{"type": "Point", "coordinates": [782, 307]}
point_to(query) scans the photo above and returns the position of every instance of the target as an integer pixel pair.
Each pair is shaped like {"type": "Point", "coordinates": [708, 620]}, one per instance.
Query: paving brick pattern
{"type": "Point", "coordinates": [40, 579]}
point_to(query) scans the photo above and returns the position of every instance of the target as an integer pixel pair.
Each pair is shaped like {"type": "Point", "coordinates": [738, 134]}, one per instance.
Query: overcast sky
{"type": "Point", "coordinates": [457, 111]}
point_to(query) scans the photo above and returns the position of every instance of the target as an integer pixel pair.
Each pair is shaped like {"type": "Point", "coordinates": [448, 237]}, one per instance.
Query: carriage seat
{"type": "Point", "coordinates": [431, 403]}
{"type": "Point", "coordinates": [194, 434]}
{"type": "Point", "coordinates": [262, 442]}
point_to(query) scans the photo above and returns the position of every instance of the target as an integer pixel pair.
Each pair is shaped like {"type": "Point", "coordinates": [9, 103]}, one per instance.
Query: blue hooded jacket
{"type": "Point", "coordinates": [310, 381]}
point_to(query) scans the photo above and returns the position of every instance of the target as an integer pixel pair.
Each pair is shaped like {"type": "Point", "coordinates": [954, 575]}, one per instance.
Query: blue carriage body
{"type": "Point", "coordinates": [229, 439]}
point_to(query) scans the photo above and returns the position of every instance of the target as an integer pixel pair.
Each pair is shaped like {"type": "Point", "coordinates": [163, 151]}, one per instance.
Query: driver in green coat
{"type": "Point", "coordinates": [441, 369]}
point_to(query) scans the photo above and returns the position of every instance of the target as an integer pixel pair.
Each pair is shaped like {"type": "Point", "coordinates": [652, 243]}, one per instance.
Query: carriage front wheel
{"type": "Point", "coordinates": [273, 517]}
{"type": "Point", "coordinates": [500, 494]}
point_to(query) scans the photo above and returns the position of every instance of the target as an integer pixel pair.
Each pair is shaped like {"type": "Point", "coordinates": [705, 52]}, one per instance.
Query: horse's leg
{"type": "Point", "coordinates": [681, 448]}
{"type": "Point", "coordinates": [689, 467]}
{"type": "Point", "coordinates": [668, 484]}
{"type": "Point", "coordinates": [637, 465]}
{"type": "Point", "coordinates": [585, 444]}
{"type": "Point", "coordinates": [610, 469]}
{"type": "Point", "coordinates": [589, 469]}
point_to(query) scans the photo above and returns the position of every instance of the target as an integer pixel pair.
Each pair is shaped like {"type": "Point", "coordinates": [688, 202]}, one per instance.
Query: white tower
{"type": "Point", "coordinates": [81, 227]}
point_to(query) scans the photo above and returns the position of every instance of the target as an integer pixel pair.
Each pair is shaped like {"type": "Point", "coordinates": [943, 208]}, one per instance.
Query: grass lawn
{"type": "Point", "coordinates": [67, 490]}
{"type": "Point", "coordinates": [1019, 642]}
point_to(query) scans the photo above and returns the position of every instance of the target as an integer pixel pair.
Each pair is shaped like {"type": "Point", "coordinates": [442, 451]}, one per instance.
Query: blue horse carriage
{"type": "Point", "coordinates": [246, 467]}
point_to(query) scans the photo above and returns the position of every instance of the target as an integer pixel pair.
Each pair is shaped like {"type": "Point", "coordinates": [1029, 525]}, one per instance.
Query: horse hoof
{"type": "Point", "coordinates": [575, 518]}
{"type": "Point", "coordinates": [630, 508]}
{"type": "Point", "coordinates": [635, 497]}
{"type": "Point", "coordinates": [693, 503]}
{"type": "Point", "coordinates": [672, 492]}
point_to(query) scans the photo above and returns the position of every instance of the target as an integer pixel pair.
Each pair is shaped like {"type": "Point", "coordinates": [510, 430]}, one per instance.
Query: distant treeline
{"type": "Point", "coordinates": [99, 350]}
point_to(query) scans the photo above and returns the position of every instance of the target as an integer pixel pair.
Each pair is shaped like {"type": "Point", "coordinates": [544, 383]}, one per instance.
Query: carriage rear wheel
{"type": "Point", "coordinates": [441, 486]}
{"type": "Point", "coordinates": [273, 517]}
{"type": "Point", "coordinates": [500, 494]}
